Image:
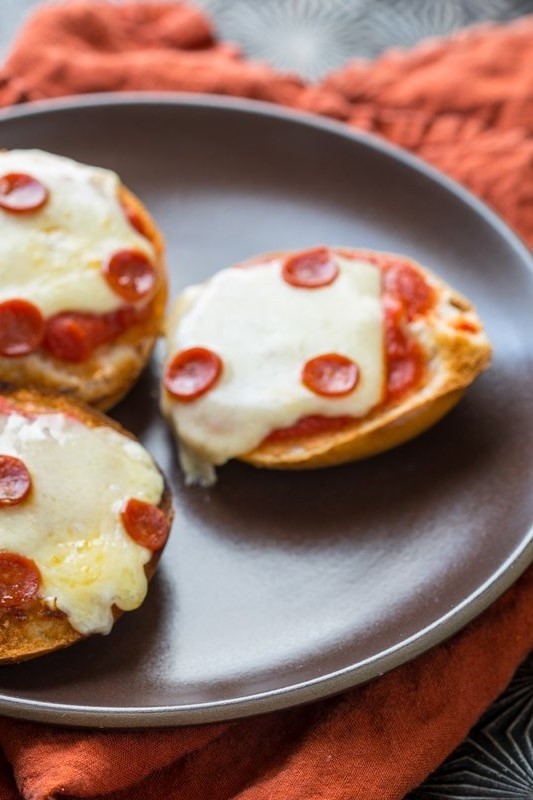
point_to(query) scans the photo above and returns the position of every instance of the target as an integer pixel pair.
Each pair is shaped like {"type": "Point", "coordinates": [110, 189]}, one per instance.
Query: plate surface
{"type": "Point", "coordinates": [280, 588]}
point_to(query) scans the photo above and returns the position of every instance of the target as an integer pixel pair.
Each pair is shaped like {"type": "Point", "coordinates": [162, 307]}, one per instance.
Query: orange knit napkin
{"type": "Point", "coordinates": [466, 104]}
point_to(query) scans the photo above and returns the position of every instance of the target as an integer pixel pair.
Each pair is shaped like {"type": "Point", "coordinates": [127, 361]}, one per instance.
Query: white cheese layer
{"type": "Point", "coordinates": [264, 330]}
{"type": "Point", "coordinates": [53, 256]}
{"type": "Point", "coordinates": [70, 523]}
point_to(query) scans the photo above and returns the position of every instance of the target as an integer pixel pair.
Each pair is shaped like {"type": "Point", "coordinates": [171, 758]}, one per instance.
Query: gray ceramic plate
{"type": "Point", "coordinates": [277, 588]}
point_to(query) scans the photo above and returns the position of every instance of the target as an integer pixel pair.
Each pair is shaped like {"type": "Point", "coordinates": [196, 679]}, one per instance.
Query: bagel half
{"type": "Point", "coordinates": [444, 344]}
{"type": "Point", "coordinates": [457, 351]}
{"type": "Point", "coordinates": [39, 625]}
{"type": "Point", "coordinates": [111, 368]}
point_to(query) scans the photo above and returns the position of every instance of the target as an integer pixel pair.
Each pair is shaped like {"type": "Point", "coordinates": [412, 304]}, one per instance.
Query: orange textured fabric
{"type": "Point", "coordinates": [465, 104]}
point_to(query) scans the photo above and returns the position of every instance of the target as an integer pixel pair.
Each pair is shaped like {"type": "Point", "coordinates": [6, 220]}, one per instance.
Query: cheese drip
{"type": "Point", "coordinates": [70, 523]}
{"type": "Point", "coordinates": [264, 330]}
{"type": "Point", "coordinates": [53, 256]}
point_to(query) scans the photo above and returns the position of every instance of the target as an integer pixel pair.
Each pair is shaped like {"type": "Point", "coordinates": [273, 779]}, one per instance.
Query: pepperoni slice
{"type": "Point", "coordinates": [310, 270]}
{"type": "Point", "coordinates": [20, 193]}
{"type": "Point", "coordinates": [73, 336]}
{"type": "Point", "coordinates": [15, 481]}
{"type": "Point", "coordinates": [330, 375]}
{"type": "Point", "coordinates": [19, 580]}
{"type": "Point", "coordinates": [145, 523]}
{"type": "Point", "coordinates": [191, 373]}
{"type": "Point", "coordinates": [405, 358]}
{"type": "Point", "coordinates": [404, 282]}
{"type": "Point", "coordinates": [131, 275]}
{"type": "Point", "coordinates": [403, 373]}
{"type": "Point", "coordinates": [21, 328]}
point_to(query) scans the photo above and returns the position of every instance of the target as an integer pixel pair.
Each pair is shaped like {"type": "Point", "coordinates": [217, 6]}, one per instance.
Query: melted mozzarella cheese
{"type": "Point", "coordinates": [53, 256]}
{"type": "Point", "coordinates": [264, 330]}
{"type": "Point", "coordinates": [70, 523]}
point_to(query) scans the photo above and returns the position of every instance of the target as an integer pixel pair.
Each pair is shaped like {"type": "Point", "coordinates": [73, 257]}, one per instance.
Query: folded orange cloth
{"type": "Point", "coordinates": [465, 104]}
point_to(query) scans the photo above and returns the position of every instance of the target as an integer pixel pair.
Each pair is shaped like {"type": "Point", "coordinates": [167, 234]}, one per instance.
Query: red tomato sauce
{"type": "Point", "coordinates": [405, 296]}
{"type": "Point", "coordinates": [308, 426]}
{"type": "Point", "coordinates": [73, 336]}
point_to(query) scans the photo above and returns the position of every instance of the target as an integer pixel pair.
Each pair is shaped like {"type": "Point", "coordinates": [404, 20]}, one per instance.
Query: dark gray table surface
{"type": "Point", "coordinates": [311, 37]}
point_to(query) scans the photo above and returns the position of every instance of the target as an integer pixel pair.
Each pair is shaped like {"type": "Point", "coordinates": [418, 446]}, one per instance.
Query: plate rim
{"type": "Point", "coordinates": [375, 666]}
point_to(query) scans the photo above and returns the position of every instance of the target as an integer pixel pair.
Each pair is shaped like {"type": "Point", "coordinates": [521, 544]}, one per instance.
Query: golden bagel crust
{"type": "Point", "coordinates": [36, 629]}
{"type": "Point", "coordinates": [455, 358]}
{"type": "Point", "coordinates": [114, 367]}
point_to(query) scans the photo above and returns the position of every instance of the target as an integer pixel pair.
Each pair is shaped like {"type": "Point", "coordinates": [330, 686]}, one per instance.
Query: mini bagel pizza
{"type": "Point", "coordinates": [308, 359]}
{"type": "Point", "coordinates": [77, 546]}
{"type": "Point", "coordinates": [82, 278]}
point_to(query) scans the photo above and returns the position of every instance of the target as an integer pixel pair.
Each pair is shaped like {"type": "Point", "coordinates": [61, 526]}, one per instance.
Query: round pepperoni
{"type": "Point", "coordinates": [331, 375]}
{"type": "Point", "coordinates": [73, 336]}
{"type": "Point", "coordinates": [404, 282]}
{"type": "Point", "coordinates": [20, 193]}
{"type": "Point", "coordinates": [310, 270]}
{"type": "Point", "coordinates": [15, 481]}
{"type": "Point", "coordinates": [131, 275]}
{"type": "Point", "coordinates": [191, 373]}
{"type": "Point", "coordinates": [145, 523]}
{"type": "Point", "coordinates": [21, 328]}
{"type": "Point", "coordinates": [19, 580]}
{"type": "Point", "coordinates": [405, 358]}
{"type": "Point", "coordinates": [403, 373]}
